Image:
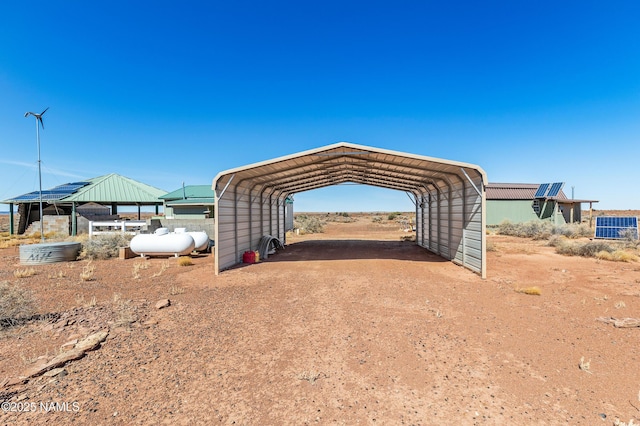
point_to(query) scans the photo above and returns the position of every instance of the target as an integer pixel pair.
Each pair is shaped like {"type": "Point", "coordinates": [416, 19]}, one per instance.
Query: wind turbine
{"type": "Point", "coordinates": [39, 119]}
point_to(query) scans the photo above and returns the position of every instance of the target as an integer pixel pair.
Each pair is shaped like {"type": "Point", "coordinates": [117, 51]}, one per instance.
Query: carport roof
{"type": "Point", "coordinates": [346, 162]}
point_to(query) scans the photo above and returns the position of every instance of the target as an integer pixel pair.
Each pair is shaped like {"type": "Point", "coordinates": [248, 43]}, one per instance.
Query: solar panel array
{"type": "Point", "coordinates": [54, 194]}
{"type": "Point", "coordinates": [548, 190]}
{"type": "Point", "coordinates": [542, 190]}
{"type": "Point", "coordinates": [614, 228]}
{"type": "Point", "coordinates": [555, 189]}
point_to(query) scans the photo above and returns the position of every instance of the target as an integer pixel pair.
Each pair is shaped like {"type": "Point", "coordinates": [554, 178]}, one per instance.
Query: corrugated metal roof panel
{"type": "Point", "coordinates": [190, 191]}
{"type": "Point", "coordinates": [113, 188]}
{"type": "Point", "coordinates": [515, 191]}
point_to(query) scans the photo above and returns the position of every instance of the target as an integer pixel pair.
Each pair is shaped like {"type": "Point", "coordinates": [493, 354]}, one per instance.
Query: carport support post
{"type": "Point", "coordinates": [74, 221]}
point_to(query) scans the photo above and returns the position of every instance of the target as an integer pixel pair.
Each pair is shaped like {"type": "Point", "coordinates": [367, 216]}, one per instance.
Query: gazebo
{"type": "Point", "coordinates": [110, 190]}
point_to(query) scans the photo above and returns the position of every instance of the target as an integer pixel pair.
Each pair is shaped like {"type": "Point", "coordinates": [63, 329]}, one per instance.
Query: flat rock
{"type": "Point", "coordinates": [16, 381]}
{"type": "Point", "coordinates": [69, 343]}
{"type": "Point", "coordinates": [92, 341]}
{"type": "Point", "coordinates": [55, 372]}
{"type": "Point", "coordinates": [163, 303]}
{"type": "Point", "coordinates": [56, 362]}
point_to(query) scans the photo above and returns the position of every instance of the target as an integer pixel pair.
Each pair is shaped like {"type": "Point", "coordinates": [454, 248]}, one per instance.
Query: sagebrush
{"type": "Point", "coordinates": [309, 224]}
{"type": "Point", "coordinates": [103, 247]}
{"type": "Point", "coordinates": [580, 248]}
{"type": "Point", "coordinates": [542, 230]}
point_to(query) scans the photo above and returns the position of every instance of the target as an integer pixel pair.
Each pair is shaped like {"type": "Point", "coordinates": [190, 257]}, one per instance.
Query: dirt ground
{"type": "Point", "coordinates": [351, 326]}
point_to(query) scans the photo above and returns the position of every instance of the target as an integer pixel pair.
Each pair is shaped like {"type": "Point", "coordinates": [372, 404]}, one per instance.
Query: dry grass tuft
{"type": "Point", "coordinates": [624, 256]}
{"type": "Point", "coordinates": [125, 315]}
{"type": "Point", "coordinates": [137, 267]}
{"type": "Point", "coordinates": [24, 273]}
{"type": "Point", "coordinates": [604, 255]}
{"type": "Point", "coordinates": [534, 291]}
{"type": "Point", "coordinates": [87, 272]}
{"type": "Point", "coordinates": [584, 365]}
{"type": "Point", "coordinates": [80, 301]}
{"type": "Point", "coordinates": [617, 256]}
{"type": "Point", "coordinates": [310, 376]}
{"type": "Point", "coordinates": [56, 275]}
{"type": "Point", "coordinates": [15, 301]}
{"type": "Point", "coordinates": [173, 290]}
{"type": "Point", "coordinates": [163, 267]}
{"type": "Point", "coordinates": [185, 261]}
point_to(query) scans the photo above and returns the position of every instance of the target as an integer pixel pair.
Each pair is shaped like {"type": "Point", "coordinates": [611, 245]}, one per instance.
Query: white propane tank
{"type": "Point", "coordinates": [162, 244]}
{"type": "Point", "coordinates": [201, 239]}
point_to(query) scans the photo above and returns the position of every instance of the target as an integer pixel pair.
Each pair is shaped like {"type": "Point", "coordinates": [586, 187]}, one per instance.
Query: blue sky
{"type": "Point", "coordinates": [170, 92]}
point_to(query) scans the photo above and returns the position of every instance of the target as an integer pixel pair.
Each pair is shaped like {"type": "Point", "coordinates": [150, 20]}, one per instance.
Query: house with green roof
{"type": "Point", "coordinates": [189, 202]}
{"type": "Point", "coordinates": [63, 201]}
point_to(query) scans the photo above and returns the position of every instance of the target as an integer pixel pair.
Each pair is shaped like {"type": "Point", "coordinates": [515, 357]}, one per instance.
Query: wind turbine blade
{"type": "Point", "coordinates": [40, 120]}
{"type": "Point", "coordinates": [44, 111]}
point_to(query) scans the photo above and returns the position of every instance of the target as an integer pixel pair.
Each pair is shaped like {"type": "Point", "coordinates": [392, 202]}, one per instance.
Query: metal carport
{"type": "Point", "coordinates": [449, 198]}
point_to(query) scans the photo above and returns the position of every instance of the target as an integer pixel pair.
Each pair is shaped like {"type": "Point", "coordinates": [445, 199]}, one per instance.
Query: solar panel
{"type": "Point", "coordinates": [555, 189]}
{"type": "Point", "coordinates": [542, 190]}
{"type": "Point", "coordinates": [57, 193]}
{"type": "Point", "coordinates": [614, 228]}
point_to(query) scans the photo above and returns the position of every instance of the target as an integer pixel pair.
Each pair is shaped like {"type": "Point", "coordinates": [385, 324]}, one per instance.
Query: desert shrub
{"type": "Point", "coordinates": [104, 246]}
{"type": "Point", "coordinates": [604, 255]}
{"type": "Point", "coordinates": [376, 219]}
{"type": "Point", "coordinates": [392, 216]}
{"type": "Point", "coordinates": [629, 237]}
{"type": "Point", "coordinates": [585, 249]}
{"type": "Point", "coordinates": [15, 301]}
{"type": "Point", "coordinates": [532, 229]}
{"type": "Point", "coordinates": [623, 256]}
{"type": "Point", "coordinates": [309, 224]}
{"type": "Point", "coordinates": [540, 230]}
{"type": "Point", "coordinates": [185, 261]}
{"type": "Point", "coordinates": [572, 230]}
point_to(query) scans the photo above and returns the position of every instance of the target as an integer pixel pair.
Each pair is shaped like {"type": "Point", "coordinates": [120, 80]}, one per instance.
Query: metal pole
{"type": "Point", "coordinates": [40, 183]}
{"type": "Point", "coordinates": [11, 227]}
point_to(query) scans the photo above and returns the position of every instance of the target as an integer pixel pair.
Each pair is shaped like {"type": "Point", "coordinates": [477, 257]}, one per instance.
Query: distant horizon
{"type": "Point", "coordinates": [531, 92]}
{"type": "Point", "coordinates": [6, 212]}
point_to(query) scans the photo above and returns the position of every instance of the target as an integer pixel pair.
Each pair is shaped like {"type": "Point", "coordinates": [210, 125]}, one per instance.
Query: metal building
{"type": "Point", "coordinates": [449, 198]}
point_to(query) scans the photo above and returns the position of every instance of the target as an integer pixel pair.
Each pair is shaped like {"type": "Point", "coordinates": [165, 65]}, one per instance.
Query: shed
{"type": "Point", "coordinates": [517, 203]}
{"type": "Point", "coordinates": [449, 198]}
{"type": "Point", "coordinates": [189, 202]}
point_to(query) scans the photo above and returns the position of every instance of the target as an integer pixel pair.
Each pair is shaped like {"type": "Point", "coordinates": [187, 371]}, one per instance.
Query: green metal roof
{"type": "Point", "coordinates": [113, 188]}
{"type": "Point", "coordinates": [190, 192]}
